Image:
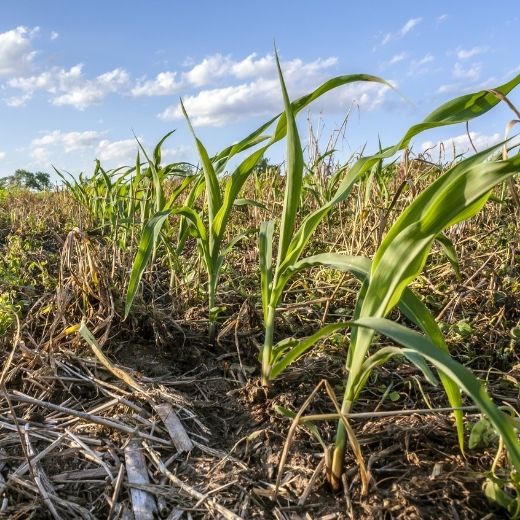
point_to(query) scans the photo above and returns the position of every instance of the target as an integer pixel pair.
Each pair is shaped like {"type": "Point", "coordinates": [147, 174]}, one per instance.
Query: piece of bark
{"type": "Point", "coordinates": [175, 428]}
{"type": "Point", "coordinates": [143, 503]}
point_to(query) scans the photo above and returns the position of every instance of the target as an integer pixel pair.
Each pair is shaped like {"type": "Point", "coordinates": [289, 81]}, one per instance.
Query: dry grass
{"type": "Point", "coordinates": [66, 420]}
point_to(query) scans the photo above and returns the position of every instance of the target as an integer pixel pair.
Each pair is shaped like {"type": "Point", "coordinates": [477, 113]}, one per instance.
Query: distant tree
{"type": "Point", "coordinates": [38, 181]}
{"type": "Point", "coordinates": [264, 165]}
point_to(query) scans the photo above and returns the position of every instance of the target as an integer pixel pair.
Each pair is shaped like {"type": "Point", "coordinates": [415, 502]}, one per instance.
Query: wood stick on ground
{"type": "Point", "coordinates": [177, 432]}
{"type": "Point", "coordinates": [18, 396]}
{"type": "Point", "coordinates": [79, 512]}
{"type": "Point", "coordinates": [117, 489]}
{"type": "Point", "coordinates": [23, 468]}
{"type": "Point", "coordinates": [174, 426]}
{"type": "Point", "coordinates": [91, 454]}
{"type": "Point", "coordinates": [143, 503]}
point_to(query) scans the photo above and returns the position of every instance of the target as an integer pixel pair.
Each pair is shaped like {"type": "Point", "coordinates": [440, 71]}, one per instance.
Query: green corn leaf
{"type": "Point", "coordinates": [455, 196]}
{"type": "Point", "coordinates": [284, 357]}
{"type": "Point", "coordinates": [463, 377]}
{"type": "Point", "coordinates": [221, 159]}
{"type": "Point", "coordinates": [384, 354]}
{"type": "Point", "coordinates": [458, 110]}
{"type": "Point", "coordinates": [418, 313]}
{"type": "Point", "coordinates": [327, 86]}
{"type": "Point", "coordinates": [157, 150]}
{"type": "Point", "coordinates": [147, 246]}
{"type": "Point", "coordinates": [184, 225]}
{"type": "Point", "coordinates": [409, 304]}
{"type": "Point", "coordinates": [233, 187]}
{"type": "Point", "coordinates": [213, 188]}
{"type": "Point", "coordinates": [251, 202]}
{"type": "Point", "coordinates": [156, 180]}
{"type": "Point", "coordinates": [294, 174]}
{"type": "Point", "coordinates": [235, 240]}
{"type": "Point", "coordinates": [461, 109]}
{"type": "Point", "coordinates": [298, 105]}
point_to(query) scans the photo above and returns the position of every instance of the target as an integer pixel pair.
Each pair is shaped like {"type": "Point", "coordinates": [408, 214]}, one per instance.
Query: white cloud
{"type": "Point", "coordinates": [461, 143]}
{"type": "Point", "coordinates": [403, 31]}
{"type": "Point", "coordinates": [428, 58]}
{"type": "Point", "coordinates": [54, 35]}
{"type": "Point", "coordinates": [2, 155]}
{"type": "Point", "coordinates": [40, 155]}
{"type": "Point", "coordinates": [80, 97]}
{"type": "Point", "coordinates": [448, 87]}
{"type": "Point", "coordinates": [224, 104]}
{"type": "Point", "coordinates": [263, 66]}
{"type": "Point", "coordinates": [418, 66]}
{"type": "Point", "coordinates": [217, 107]}
{"type": "Point", "coordinates": [218, 69]}
{"type": "Point", "coordinates": [68, 87]}
{"type": "Point", "coordinates": [464, 54]}
{"type": "Point", "coordinates": [408, 26]}
{"type": "Point", "coordinates": [164, 84]}
{"type": "Point", "coordinates": [17, 101]}
{"type": "Point", "coordinates": [440, 19]}
{"type": "Point", "coordinates": [69, 141]}
{"type": "Point", "coordinates": [471, 73]}
{"type": "Point", "coordinates": [16, 52]}
{"type": "Point", "coordinates": [208, 70]}
{"type": "Point", "coordinates": [218, 66]}
{"type": "Point", "coordinates": [397, 58]}
{"type": "Point", "coordinates": [465, 87]}
{"type": "Point", "coordinates": [90, 92]}
{"type": "Point", "coordinates": [53, 145]}
{"type": "Point", "coordinates": [124, 150]}
{"type": "Point", "coordinates": [53, 81]}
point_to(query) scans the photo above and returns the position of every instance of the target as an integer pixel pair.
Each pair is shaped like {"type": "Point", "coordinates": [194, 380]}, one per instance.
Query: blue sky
{"type": "Point", "coordinates": [78, 78]}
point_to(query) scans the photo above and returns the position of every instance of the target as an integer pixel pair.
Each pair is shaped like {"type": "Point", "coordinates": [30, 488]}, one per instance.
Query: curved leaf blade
{"type": "Point", "coordinates": [462, 376]}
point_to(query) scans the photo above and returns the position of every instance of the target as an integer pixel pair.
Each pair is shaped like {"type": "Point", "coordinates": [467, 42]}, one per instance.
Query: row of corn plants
{"type": "Point", "coordinates": [121, 201]}
{"type": "Point", "coordinates": [458, 194]}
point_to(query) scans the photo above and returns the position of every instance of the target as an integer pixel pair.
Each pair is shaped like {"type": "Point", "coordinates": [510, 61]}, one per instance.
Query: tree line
{"type": "Point", "coordinates": [23, 179]}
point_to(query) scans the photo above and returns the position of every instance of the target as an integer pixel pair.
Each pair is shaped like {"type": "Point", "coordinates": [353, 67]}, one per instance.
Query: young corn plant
{"type": "Point", "coordinates": [456, 196]}
{"type": "Point", "coordinates": [291, 242]}
{"type": "Point", "coordinates": [209, 228]}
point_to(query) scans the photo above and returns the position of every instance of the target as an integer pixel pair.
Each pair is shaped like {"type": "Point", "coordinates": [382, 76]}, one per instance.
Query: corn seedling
{"type": "Point", "coordinates": [456, 196]}
{"type": "Point", "coordinates": [121, 201]}
{"type": "Point", "coordinates": [291, 243]}
{"type": "Point", "coordinates": [210, 229]}
{"type": "Point", "coordinates": [210, 235]}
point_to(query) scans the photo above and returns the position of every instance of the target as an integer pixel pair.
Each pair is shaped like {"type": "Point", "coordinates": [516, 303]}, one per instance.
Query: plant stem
{"type": "Point", "coordinates": [212, 302]}
{"type": "Point", "coordinates": [338, 456]}
{"type": "Point", "coordinates": [268, 345]}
